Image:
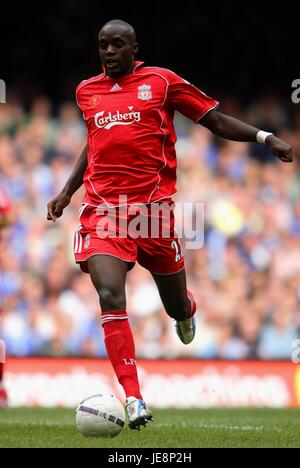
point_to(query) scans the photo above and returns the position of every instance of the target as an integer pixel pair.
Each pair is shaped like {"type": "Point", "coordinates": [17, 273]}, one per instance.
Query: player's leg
{"type": "Point", "coordinates": [173, 293]}
{"type": "Point", "coordinates": [108, 275]}
{"type": "Point", "coordinates": [3, 394]}
{"type": "Point", "coordinates": [178, 302]}
{"type": "Point", "coordinates": [163, 257]}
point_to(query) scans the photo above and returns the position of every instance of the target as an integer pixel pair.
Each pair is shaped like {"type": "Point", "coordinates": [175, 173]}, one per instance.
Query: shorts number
{"type": "Point", "coordinates": [176, 247]}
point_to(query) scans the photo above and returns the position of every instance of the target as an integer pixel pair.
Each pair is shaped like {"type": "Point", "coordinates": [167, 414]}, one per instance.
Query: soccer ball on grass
{"type": "Point", "coordinates": [100, 416]}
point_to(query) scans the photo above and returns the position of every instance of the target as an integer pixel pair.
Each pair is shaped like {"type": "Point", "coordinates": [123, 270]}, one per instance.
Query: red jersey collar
{"type": "Point", "coordinates": [137, 65]}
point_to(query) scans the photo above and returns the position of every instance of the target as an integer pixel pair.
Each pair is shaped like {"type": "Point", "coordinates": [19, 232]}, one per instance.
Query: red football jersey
{"type": "Point", "coordinates": [131, 135]}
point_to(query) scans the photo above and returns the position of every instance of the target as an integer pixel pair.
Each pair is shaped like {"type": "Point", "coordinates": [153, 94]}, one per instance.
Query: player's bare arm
{"type": "Point", "coordinates": [233, 129]}
{"type": "Point", "coordinates": [58, 204]}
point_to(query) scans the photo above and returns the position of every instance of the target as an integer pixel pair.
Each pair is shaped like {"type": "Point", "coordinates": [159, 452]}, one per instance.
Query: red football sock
{"type": "Point", "coordinates": [1, 372]}
{"type": "Point", "coordinates": [193, 304]}
{"type": "Point", "coordinates": [121, 350]}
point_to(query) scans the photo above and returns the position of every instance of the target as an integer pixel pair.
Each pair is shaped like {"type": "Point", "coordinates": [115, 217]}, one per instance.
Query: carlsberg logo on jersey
{"type": "Point", "coordinates": [107, 121]}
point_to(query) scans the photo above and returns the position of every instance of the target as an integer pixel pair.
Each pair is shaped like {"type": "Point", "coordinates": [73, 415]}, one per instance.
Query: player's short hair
{"type": "Point", "coordinates": [119, 22]}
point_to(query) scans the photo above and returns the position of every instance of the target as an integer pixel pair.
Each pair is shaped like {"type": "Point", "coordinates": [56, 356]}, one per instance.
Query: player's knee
{"type": "Point", "coordinates": [111, 299]}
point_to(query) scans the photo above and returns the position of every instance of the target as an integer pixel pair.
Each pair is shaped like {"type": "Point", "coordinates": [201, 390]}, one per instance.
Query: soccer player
{"type": "Point", "coordinates": [5, 221]}
{"type": "Point", "coordinates": [129, 110]}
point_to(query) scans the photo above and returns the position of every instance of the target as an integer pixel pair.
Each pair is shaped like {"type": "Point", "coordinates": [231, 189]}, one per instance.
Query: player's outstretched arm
{"type": "Point", "coordinates": [233, 129]}
{"type": "Point", "coordinates": [58, 204]}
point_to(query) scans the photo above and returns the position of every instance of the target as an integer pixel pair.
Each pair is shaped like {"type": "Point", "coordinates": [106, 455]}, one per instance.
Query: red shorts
{"type": "Point", "coordinates": [159, 253]}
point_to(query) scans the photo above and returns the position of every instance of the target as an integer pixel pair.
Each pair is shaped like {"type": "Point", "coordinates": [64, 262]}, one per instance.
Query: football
{"type": "Point", "coordinates": [100, 415]}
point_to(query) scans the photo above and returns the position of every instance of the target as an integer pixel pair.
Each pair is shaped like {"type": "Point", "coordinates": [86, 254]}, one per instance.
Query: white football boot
{"type": "Point", "coordinates": [186, 329]}
{"type": "Point", "coordinates": [138, 413]}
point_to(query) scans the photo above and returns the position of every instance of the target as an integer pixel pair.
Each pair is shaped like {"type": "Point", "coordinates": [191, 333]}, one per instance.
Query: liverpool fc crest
{"type": "Point", "coordinates": [145, 93]}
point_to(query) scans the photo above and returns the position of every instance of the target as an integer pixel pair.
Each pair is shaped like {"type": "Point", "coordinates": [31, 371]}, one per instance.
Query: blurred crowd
{"type": "Point", "coordinates": [246, 278]}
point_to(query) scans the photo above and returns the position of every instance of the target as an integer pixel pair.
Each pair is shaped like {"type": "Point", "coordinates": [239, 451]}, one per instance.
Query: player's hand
{"type": "Point", "coordinates": [57, 205]}
{"type": "Point", "coordinates": [282, 150]}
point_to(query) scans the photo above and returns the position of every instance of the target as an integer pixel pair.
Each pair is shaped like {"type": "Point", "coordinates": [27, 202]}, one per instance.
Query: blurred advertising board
{"type": "Point", "coordinates": [165, 384]}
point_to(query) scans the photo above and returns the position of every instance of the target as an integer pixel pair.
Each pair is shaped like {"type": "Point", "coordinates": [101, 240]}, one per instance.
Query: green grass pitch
{"type": "Point", "coordinates": [171, 429]}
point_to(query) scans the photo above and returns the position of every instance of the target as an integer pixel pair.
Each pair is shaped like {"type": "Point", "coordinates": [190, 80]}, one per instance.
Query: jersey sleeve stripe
{"type": "Point", "coordinates": [209, 110]}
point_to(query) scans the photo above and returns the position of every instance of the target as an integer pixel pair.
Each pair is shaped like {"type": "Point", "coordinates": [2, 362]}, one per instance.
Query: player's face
{"type": "Point", "coordinates": [117, 51]}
